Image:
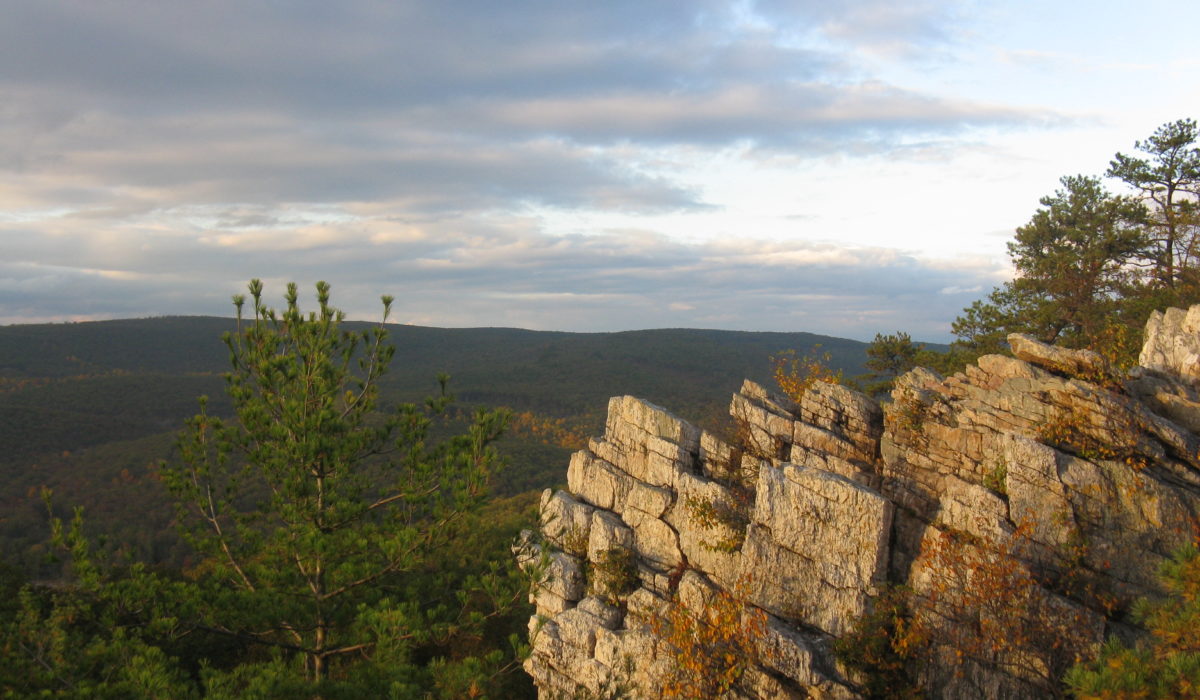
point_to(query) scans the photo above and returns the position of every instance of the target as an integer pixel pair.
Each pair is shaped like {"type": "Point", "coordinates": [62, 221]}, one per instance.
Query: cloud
{"type": "Point", "coordinates": [155, 156]}
{"type": "Point", "coordinates": [895, 29]}
{"type": "Point", "coordinates": [453, 103]}
{"type": "Point", "coordinates": [502, 271]}
{"type": "Point", "coordinates": [809, 116]}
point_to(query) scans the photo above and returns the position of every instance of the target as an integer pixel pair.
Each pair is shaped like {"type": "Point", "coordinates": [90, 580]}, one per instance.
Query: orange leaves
{"type": "Point", "coordinates": [1119, 345]}
{"type": "Point", "coordinates": [1071, 430]}
{"type": "Point", "coordinates": [1162, 665]}
{"type": "Point", "coordinates": [729, 519]}
{"type": "Point", "coordinates": [987, 607]}
{"type": "Point", "coordinates": [796, 373]}
{"type": "Point", "coordinates": [552, 431]}
{"type": "Point", "coordinates": [882, 646]}
{"type": "Point", "coordinates": [710, 647]}
{"type": "Point", "coordinates": [908, 414]}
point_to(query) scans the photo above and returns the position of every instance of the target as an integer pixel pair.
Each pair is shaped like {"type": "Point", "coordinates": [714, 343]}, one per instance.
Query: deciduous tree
{"type": "Point", "coordinates": [796, 373]}
{"type": "Point", "coordinates": [710, 646]}
{"type": "Point", "coordinates": [983, 607]}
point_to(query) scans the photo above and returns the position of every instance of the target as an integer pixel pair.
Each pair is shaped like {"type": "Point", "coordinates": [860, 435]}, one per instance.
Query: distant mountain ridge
{"type": "Point", "coordinates": [69, 385]}
{"type": "Point", "coordinates": [154, 344]}
{"type": "Point", "coordinates": [488, 364]}
{"type": "Point", "coordinates": [86, 407]}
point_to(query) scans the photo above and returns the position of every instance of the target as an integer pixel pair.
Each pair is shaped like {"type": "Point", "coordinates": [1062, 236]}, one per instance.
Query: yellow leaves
{"type": "Point", "coordinates": [551, 431]}
{"type": "Point", "coordinates": [881, 644]}
{"type": "Point", "coordinates": [1071, 429]}
{"type": "Point", "coordinates": [1161, 665]}
{"type": "Point", "coordinates": [732, 520]}
{"type": "Point", "coordinates": [1119, 345]}
{"type": "Point", "coordinates": [795, 374]}
{"type": "Point", "coordinates": [711, 648]}
{"type": "Point", "coordinates": [909, 413]}
{"type": "Point", "coordinates": [986, 605]}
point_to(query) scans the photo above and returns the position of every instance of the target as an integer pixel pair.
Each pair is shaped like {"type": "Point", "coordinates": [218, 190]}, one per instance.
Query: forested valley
{"type": "Point", "coordinates": [92, 410]}
{"type": "Point", "coordinates": [335, 519]}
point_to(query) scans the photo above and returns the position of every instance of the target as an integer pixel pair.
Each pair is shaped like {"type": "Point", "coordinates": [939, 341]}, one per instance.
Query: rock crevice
{"type": "Point", "coordinates": [1049, 458]}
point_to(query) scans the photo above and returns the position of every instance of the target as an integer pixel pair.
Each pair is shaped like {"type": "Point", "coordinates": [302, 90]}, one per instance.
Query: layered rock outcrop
{"type": "Point", "coordinates": [1022, 505]}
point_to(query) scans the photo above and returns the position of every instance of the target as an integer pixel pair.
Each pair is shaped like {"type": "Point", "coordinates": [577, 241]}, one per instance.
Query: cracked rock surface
{"type": "Point", "coordinates": [819, 504]}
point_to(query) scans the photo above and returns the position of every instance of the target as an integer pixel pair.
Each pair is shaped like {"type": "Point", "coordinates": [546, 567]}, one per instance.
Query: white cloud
{"type": "Point", "coordinates": [976, 289]}
{"type": "Point", "coordinates": [464, 272]}
{"type": "Point", "coordinates": [767, 165]}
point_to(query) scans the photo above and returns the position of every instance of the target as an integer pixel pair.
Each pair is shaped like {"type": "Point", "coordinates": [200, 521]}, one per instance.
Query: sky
{"type": "Point", "coordinates": [846, 168]}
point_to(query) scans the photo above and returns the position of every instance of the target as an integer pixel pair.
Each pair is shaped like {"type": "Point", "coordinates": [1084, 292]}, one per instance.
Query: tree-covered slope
{"type": "Point", "coordinates": [149, 371]}
{"type": "Point", "coordinates": [86, 408]}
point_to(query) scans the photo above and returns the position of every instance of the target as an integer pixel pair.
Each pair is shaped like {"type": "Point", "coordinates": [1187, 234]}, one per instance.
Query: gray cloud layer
{"type": "Point", "coordinates": [153, 156]}
{"type": "Point", "coordinates": [505, 273]}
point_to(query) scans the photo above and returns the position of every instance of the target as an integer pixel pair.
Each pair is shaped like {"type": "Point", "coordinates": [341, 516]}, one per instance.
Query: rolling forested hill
{"type": "Point", "coordinates": [87, 408]}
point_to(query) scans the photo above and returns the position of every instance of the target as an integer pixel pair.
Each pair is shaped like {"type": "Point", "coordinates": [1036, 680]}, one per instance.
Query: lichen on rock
{"type": "Point", "coordinates": [1046, 475]}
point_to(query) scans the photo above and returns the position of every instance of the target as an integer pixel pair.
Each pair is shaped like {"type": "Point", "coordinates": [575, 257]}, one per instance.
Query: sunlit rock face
{"type": "Point", "coordinates": [1046, 476]}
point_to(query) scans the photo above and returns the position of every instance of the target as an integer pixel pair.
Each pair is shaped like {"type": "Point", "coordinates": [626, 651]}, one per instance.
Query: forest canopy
{"type": "Point", "coordinates": [325, 530]}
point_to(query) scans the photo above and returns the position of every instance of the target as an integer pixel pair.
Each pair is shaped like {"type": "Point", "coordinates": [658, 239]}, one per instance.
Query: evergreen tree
{"type": "Point", "coordinates": [110, 632]}
{"type": "Point", "coordinates": [329, 535]}
{"type": "Point", "coordinates": [983, 327]}
{"type": "Point", "coordinates": [316, 513]}
{"type": "Point", "coordinates": [1075, 261]}
{"type": "Point", "coordinates": [888, 357]}
{"type": "Point", "coordinates": [1166, 664]}
{"type": "Point", "coordinates": [1168, 179]}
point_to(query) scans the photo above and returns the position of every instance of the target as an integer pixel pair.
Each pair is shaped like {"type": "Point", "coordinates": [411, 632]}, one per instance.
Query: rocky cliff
{"type": "Point", "coordinates": [995, 525]}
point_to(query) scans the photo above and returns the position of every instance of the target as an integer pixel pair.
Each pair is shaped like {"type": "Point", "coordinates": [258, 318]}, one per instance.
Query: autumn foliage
{"type": "Point", "coordinates": [884, 647]}
{"type": "Point", "coordinates": [1070, 430]}
{"type": "Point", "coordinates": [710, 645]}
{"type": "Point", "coordinates": [795, 373]}
{"type": "Point", "coordinates": [986, 608]}
{"type": "Point", "coordinates": [551, 431]}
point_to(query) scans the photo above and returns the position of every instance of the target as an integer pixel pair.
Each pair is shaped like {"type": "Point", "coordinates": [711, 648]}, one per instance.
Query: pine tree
{"type": "Point", "coordinates": [329, 534]}
{"type": "Point", "coordinates": [1168, 179]}
{"type": "Point", "coordinates": [888, 357]}
{"type": "Point", "coordinates": [1076, 262]}
{"type": "Point", "coordinates": [1166, 664]}
{"type": "Point", "coordinates": [314, 511]}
